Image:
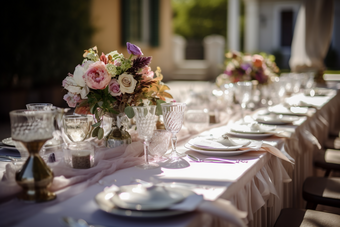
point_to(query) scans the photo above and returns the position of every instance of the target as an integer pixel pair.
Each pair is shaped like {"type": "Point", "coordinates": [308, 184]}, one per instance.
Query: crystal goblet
{"type": "Point", "coordinates": [145, 120]}
{"type": "Point", "coordinates": [32, 129]}
{"type": "Point", "coordinates": [243, 94]}
{"type": "Point", "coordinates": [159, 144]}
{"type": "Point", "coordinates": [173, 114]}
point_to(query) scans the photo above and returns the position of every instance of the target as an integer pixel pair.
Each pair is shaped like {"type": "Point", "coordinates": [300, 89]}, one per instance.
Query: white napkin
{"type": "Point", "coordinates": [252, 127]}
{"type": "Point", "coordinates": [274, 151]}
{"type": "Point", "coordinates": [225, 210]}
{"type": "Point", "coordinates": [189, 204]}
{"type": "Point", "coordinates": [216, 143]}
{"type": "Point", "coordinates": [221, 208]}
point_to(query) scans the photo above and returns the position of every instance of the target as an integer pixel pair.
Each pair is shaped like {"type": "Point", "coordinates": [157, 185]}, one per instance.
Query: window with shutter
{"type": "Point", "coordinates": [140, 22]}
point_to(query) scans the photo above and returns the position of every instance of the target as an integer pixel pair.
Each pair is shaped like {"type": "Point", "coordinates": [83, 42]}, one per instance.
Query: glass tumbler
{"type": "Point", "coordinates": [79, 155]}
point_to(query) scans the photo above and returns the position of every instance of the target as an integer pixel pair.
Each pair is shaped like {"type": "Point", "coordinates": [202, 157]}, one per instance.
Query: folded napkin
{"type": "Point", "coordinates": [220, 208]}
{"type": "Point", "coordinates": [274, 151]}
{"type": "Point", "coordinates": [107, 161]}
{"type": "Point", "coordinates": [225, 210]}
{"type": "Point", "coordinates": [260, 146]}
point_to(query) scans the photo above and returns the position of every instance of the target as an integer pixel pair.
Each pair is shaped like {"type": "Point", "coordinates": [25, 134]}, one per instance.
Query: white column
{"type": "Point", "coordinates": [178, 44]}
{"type": "Point", "coordinates": [233, 25]}
{"type": "Point", "coordinates": [251, 26]}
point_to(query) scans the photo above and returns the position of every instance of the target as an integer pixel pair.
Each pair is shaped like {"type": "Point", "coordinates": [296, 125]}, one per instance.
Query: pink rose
{"type": "Point", "coordinates": [72, 99]}
{"type": "Point", "coordinates": [97, 77]}
{"type": "Point", "coordinates": [114, 88]}
{"type": "Point", "coordinates": [117, 63]}
{"type": "Point", "coordinates": [147, 73]}
{"type": "Point", "coordinates": [257, 60]}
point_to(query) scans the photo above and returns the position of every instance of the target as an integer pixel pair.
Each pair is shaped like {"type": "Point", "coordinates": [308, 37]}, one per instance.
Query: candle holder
{"type": "Point", "coordinates": [79, 155]}
{"type": "Point", "coordinates": [32, 129]}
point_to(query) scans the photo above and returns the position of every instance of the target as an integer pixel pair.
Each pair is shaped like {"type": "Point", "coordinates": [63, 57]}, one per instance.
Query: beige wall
{"type": "Point", "coordinates": [106, 20]}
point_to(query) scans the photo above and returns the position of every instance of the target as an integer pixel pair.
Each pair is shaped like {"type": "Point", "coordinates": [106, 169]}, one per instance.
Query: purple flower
{"type": "Point", "coordinates": [141, 62]}
{"type": "Point", "coordinates": [245, 66]}
{"type": "Point", "coordinates": [114, 88]}
{"type": "Point", "coordinates": [133, 49]}
{"type": "Point", "coordinates": [261, 77]}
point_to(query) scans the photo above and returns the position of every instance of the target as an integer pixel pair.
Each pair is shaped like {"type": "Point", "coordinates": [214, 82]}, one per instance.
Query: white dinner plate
{"type": "Point", "coordinates": [282, 110]}
{"type": "Point", "coordinates": [252, 128]}
{"type": "Point", "coordinates": [250, 135]}
{"type": "Point", "coordinates": [104, 201]}
{"type": "Point", "coordinates": [213, 144]}
{"type": "Point", "coordinates": [137, 197]}
{"type": "Point", "coordinates": [276, 119]}
{"type": "Point", "coordinates": [8, 142]}
{"type": "Point", "coordinates": [255, 145]}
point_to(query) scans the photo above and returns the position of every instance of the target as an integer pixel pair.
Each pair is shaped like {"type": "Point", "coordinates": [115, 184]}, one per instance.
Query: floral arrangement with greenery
{"type": "Point", "coordinates": [246, 67]}
{"type": "Point", "coordinates": [111, 84]}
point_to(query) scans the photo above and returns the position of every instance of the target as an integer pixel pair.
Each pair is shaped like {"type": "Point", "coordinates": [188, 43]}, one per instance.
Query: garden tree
{"type": "Point", "coordinates": [41, 39]}
{"type": "Point", "coordinates": [196, 19]}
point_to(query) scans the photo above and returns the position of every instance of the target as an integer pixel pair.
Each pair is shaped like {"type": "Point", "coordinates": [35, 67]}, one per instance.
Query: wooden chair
{"type": "Point", "coordinates": [290, 217]}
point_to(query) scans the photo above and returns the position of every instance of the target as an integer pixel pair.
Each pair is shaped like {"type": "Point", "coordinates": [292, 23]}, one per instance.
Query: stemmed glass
{"type": "Point", "coordinates": [32, 129]}
{"type": "Point", "coordinates": [173, 114]}
{"type": "Point", "coordinates": [279, 84]}
{"type": "Point", "coordinates": [145, 121]}
{"type": "Point", "coordinates": [159, 144]}
{"type": "Point", "coordinates": [243, 93]}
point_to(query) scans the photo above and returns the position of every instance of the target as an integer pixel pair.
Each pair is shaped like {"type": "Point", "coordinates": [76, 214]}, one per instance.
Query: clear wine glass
{"type": "Point", "coordinates": [243, 94]}
{"type": "Point", "coordinates": [279, 84]}
{"type": "Point", "coordinates": [159, 144]}
{"type": "Point", "coordinates": [32, 129]}
{"type": "Point", "coordinates": [145, 121]}
{"type": "Point", "coordinates": [173, 114]}
{"type": "Point", "coordinates": [76, 128]}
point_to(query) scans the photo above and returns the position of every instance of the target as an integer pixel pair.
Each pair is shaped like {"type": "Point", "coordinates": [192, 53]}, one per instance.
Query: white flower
{"type": "Point", "coordinates": [112, 69]}
{"type": "Point", "coordinates": [146, 102]}
{"type": "Point", "coordinates": [75, 83]}
{"type": "Point", "coordinates": [127, 83]}
{"type": "Point", "coordinates": [78, 76]}
{"type": "Point", "coordinates": [115, 54]}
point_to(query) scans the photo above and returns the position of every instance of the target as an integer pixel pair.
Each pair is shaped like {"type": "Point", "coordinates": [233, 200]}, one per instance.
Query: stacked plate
{"type": "Point", "coordinates": [275, 119]}
{"type": "Point", "coordinates": [8, 143]}
{"type": "Point", "coordinates": [251, 130]}
{"type": "Point", "coordinates": [283, 110]}
{"type": "Point", "coordinates": [143, 202]}
{"type": "Point", "coordinates": [222, 146]}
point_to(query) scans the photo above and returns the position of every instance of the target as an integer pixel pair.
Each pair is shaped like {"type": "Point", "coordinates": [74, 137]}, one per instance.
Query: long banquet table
{"type": "Point", "coordinates": [262, 186]}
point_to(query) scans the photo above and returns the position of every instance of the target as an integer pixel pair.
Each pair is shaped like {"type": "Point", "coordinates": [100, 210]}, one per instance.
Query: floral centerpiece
{"type": "Point", "coordinates": [246, 67]}
{"type": "Point", "coordinates": [111, 84]}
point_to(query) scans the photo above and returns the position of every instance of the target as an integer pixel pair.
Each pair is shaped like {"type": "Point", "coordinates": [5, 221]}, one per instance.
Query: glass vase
{"type": "Point", "coordinates": [118, 135]}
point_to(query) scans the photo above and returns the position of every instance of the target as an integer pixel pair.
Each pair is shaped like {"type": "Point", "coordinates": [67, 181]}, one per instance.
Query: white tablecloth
{"type": "Point", "coordinates": [258, 187]}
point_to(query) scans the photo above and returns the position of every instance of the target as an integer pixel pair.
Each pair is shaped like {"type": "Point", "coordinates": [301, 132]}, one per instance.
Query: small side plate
{"type": "Point", "coordinates": [8, 142]}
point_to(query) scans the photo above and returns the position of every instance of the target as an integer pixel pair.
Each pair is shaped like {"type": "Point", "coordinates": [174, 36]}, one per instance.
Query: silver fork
{"type": "Point", "coordinates": [215, 160]}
